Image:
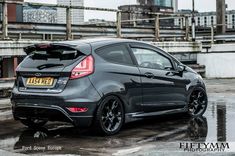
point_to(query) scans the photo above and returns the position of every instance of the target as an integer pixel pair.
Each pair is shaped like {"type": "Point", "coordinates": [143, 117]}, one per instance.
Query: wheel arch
{"type": "Point", "coordinates": [96, 120]}
{"type": "Point", "coordinates": [112, 94]}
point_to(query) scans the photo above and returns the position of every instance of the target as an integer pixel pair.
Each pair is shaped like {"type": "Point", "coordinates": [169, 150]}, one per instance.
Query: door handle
{"type": "Point", "coordinates": [149, 75]}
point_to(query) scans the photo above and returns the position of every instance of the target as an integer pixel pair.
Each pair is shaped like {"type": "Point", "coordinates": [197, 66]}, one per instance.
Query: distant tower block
{"type": "Point", "coordinates": [175, 5]}
{"type": "Point", "coordinates": [166, 3]}
{"type": "Point", "coordinates": [77, 14]}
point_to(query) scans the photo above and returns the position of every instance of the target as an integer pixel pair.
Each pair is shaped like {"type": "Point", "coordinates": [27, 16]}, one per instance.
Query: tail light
{"type": "Point", "coordinates": [77, 109]}
{"type": "Point", "coordinates": [84, 68]}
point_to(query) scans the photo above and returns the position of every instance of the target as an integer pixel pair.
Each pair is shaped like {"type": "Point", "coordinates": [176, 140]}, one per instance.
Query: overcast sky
{"type": "Point", "coordinates": [200, 5]}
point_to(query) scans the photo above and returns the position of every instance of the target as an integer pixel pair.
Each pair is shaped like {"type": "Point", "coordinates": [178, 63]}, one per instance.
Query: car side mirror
{"type": "Point", "coordinates": [181, 68]}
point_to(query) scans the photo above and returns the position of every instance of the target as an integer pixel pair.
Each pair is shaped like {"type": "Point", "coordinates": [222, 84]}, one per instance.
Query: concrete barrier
{"type": "Point", "coordinates": [186, 52]}
{"type": "Point", "coordinates": [6, 87]}
{"type": "Point", "coordinates": [179, 47]}
{"type": "Point", "coordinates": [219, 62]}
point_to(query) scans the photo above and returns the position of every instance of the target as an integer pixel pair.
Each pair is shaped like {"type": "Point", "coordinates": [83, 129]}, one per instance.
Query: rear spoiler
{"type": "Point", "coordinates": [45, 46]}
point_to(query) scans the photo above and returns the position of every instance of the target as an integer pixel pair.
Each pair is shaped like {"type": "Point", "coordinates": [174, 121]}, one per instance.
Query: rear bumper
{"type": "Point", "coordinates": [54, 107]}
{"type": "Point", "coordinates": [50, 113]}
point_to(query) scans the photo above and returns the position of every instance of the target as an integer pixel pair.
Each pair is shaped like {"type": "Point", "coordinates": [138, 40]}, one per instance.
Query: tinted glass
{"type": "Point", "coordinates": [116, 53]}
{"type": "Point", "coordinates": [164, 3]}
{"type": "Point", "coordinates": [51, 57]}
{"type": "Point", "coordinates": [151, 59]}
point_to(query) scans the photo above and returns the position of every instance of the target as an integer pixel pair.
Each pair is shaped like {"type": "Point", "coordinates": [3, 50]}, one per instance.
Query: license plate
{"type": "Point", "coordinates": [40, 81]}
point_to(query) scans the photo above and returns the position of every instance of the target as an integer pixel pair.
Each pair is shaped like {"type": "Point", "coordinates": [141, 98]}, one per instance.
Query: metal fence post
{"type": "Point", "coordinates": [119, 24]}
{"type": "Point", "coordinates": [212, 34]}
{"type": "Point", "coordinates": [181, 23]}
{"type": "Point", "coordinates": [157, 28]}
{"type": "Point", "coordinates": [186, 28]}
{"type": "Point", "coordinates": [134, 18]}
{"type": "Point", "coordinates": [68, 24]}
{"type": "Point", "coordinates": [4, 21]}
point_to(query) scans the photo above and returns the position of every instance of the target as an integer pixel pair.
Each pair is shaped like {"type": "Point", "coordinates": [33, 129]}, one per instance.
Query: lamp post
{"type": "Point", "coordinates": [68, 22]}
{"type": "Point", "coordinates": [193, 21]}
{"type": "Point", "coordinates": [220, 13]}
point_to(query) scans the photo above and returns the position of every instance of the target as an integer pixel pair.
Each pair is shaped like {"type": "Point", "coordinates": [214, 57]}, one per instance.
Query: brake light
{"type": "Point", "coordinates": [43, 46]}
{"type": "Point", "coordinates": [77, 109]}
{"type": "Point", "coordinates": [84, 68]}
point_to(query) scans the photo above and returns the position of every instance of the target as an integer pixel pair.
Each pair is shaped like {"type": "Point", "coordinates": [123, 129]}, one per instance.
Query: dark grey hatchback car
{"type": "Point", "coordinates": [103, 83]}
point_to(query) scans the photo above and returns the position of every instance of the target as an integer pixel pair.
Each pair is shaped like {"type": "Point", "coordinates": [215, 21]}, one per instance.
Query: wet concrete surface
{"type": "Point", "coordinates": [161, 135]}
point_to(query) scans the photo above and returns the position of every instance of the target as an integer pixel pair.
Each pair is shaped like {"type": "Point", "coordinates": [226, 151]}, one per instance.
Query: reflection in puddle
{"type": "Point", "coordinates": [221, 122]}
{"type": "Point", "coordinates": [220, 114]}
{"type": "Point", "coordinates": [198, 129]}
{"type": "Point", "coordinates": [138, 133]}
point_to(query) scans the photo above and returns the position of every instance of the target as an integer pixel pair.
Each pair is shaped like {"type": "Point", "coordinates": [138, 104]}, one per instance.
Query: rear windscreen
{"type": "Point", "coordinates": [56, 54]}
{"type": "Point", "coordinates": [51, 57]}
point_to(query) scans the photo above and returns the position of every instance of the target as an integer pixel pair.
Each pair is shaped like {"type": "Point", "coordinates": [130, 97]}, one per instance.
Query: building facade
{"type": "Point", "coordinates": [9, 63]}
{"type": "Point", "coordinates": [207, 19]}
{"type": "Point", "coordinates": [41, 14]}
{"type": "Point", "coordinates": [77, 14]}
{"type": "Point", "coordinates": [161, 6]}
{"type": "Point", "coordinates": [166, 3]}
{"type": "Point", "coordinates": [100, 22]}
{"type": "Point", "coordinates": [161, 3]}
{"type": "Point", "coordinates": [14, 11]}
{"type": "Point", "coordinates": [175, 5]}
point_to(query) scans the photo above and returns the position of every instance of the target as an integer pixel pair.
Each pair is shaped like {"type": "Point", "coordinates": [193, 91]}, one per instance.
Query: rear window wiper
{"type": "Point", "coordinates": [48, 66]}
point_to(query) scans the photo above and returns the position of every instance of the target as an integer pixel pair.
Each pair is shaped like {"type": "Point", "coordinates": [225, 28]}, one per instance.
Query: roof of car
{"type": "Point", "coordinates": [97, 40]}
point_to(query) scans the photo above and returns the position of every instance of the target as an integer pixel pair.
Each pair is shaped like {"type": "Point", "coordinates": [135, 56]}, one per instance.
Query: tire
{"type": "Point", "coordinates": [109, 116]}
{"type": "Point", "coordinates": [197, 102]}
{"type": "Point", "coordinates": [32, 123]}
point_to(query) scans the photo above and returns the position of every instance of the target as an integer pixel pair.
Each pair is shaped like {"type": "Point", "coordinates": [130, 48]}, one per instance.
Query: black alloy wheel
{"type": "Point", "coordinates": [110, 116]}
{"type": "Point", "coordinates": [197, 102]}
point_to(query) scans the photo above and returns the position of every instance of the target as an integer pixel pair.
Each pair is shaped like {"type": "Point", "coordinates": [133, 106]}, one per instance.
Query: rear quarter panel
{"type": "Point", "coordinates": [120, 80]}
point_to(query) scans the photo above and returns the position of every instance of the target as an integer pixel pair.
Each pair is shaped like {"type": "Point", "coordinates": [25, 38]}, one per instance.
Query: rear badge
{"type": "Point", "coordinates": [38, 74]}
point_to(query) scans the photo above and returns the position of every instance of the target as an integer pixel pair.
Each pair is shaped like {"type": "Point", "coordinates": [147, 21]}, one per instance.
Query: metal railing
{"type": "Point", "coordinates": [68, 31]}
{"type": "Point", "coordinates": [223, 37]}
{"type": "Point", "coordinates": [208, 35]}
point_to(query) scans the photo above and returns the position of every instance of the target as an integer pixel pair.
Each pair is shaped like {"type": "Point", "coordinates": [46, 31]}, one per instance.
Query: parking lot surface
{"type": "Point", "coordinates": [161, 135]}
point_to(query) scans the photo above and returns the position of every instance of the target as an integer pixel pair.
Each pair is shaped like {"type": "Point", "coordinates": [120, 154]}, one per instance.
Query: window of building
{"type": "Point", "coordinates": [205, 20]}
{"type": "Point", "coordinates": [198, 21]}
{"type": "Point", "coordinates": [212, 19]}
{"type": "Point", "coordinates": [233, 21]}
{"type": "Point", "coordinates": [165, 3]}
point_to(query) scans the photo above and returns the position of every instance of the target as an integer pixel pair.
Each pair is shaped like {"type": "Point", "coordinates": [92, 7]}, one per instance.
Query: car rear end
{"type": "Point", "coordinates": [53, 84]}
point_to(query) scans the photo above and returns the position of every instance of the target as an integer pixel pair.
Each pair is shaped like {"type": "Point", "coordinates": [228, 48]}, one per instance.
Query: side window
{"type": "Point", "coordinates": [151, 59]}
{"type": "Point", "coordinates": [116, 54]}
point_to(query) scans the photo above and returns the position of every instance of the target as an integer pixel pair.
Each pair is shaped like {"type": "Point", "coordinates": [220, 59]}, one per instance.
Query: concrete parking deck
{"type": "Point", "coordinates": [158, 136]}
